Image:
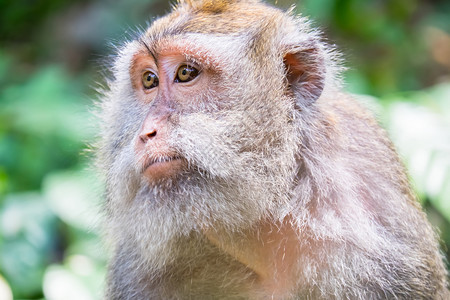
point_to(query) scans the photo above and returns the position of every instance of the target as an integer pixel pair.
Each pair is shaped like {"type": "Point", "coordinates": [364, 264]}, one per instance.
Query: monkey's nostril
{"type": "Point", "coordinates": [151, 134]}
{"type": "Point", "coordinates": [147, 136]}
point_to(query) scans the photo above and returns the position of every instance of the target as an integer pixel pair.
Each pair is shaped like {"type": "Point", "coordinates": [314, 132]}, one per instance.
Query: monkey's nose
{"type": "Point", "coordinates": [148, 135]}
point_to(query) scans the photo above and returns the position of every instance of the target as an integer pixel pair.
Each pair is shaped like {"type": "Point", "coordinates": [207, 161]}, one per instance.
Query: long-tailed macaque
{"type": "Point", "coordinates": [236, 168]}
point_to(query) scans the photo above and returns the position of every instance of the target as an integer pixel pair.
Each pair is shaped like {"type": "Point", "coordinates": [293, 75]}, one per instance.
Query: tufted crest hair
{"type": "Point", "coordinates": [212, 6]}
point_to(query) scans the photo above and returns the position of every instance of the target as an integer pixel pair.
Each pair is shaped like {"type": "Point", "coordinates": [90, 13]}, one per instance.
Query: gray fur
{"type": "Point", "coordinates": [260, 147]}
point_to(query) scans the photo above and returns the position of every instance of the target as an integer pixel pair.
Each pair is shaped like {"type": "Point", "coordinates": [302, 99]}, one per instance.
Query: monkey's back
{"type": "Point", "coordinates": [364, 211]}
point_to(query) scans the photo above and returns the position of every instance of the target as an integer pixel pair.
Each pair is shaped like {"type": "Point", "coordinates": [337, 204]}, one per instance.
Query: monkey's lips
{"type": "Point", "coordinates": [163, 167]}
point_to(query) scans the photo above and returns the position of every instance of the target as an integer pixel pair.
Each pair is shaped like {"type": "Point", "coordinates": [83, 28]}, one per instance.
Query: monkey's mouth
{"type": "Point", "coordinates": [159, 160]}
{"type": "Point", "coordinates": [162, 166]}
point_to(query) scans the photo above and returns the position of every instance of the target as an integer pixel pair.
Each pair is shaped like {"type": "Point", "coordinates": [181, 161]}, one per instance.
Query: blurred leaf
{"type": "Point", "coordinates": [72, 196]}
{"type": "Point", "coordinates": [79, 278]}
{"type": "Point", "coordinates": [46, 105]}
{"type": "Point", "coordinates": [320, 9]}
{"type": "Point", "coordinates": [356, 82]}
{"type": "Point", "coordinates": [60, 284]}
{"type": "Point", "coordinates": [5, 290]}
{"type": "Point", "coordinates": [13, 14]}
{"type": "Point", "coordinates": [5, 65]}
{"type": "Point", "coordinates": [419, 125]}
{"type": "Point", "coordinates": [30, 242]}
{"type": "Point", "coordinates": [43, 126]}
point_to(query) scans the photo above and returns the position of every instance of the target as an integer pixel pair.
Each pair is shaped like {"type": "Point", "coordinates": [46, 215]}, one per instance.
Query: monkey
{"type": "Point", "coordinates": [236, 167]}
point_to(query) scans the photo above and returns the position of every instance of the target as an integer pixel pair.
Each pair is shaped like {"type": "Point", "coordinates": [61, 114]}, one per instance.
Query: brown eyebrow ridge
{"type": "Point", "coordinates": [149, 49]}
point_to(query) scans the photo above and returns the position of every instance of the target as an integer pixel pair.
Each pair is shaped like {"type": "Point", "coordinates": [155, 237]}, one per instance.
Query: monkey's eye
{"type": "Point", "coordinates": [149, 80]}
{"type": "Point", "coordinates": [186, 73]}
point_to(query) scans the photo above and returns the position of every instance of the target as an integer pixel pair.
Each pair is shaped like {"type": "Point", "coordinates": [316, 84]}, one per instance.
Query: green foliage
{"type": "Point", "coordinates": [49, 201]}
{"type": "Point", "coordinates": [419, 123]}
{"type": "Point", "coordinates": [44, 127]}
{"type": "Point", "coordinates": [387, 43]}
{"type": "Point", "coordinates": [14, 13]}
{"type": "Point", "coordinates": [44, 115]}
{"type": "Point", "coordinates": [29, 231]}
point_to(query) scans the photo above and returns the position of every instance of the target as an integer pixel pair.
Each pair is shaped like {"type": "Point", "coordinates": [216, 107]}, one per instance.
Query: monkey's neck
{"type": "Point", "coordinates": [269, 250]}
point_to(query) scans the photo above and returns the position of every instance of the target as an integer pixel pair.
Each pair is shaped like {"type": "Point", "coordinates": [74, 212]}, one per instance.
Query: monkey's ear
{"type": "Point", "coordinates": [305, 73]}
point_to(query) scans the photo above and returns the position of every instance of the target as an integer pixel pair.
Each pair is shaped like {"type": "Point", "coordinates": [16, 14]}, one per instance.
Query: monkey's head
{"type": "Point", "coordinates": [202, 117]}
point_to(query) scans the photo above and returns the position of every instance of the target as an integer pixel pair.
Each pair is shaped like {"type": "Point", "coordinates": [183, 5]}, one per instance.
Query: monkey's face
{"type": "Point", "coordinates": [198, 118]}
{"type": "Point", "coordinates": [166, 85]}
{"type": "Point", "coordinates": [199, 121]}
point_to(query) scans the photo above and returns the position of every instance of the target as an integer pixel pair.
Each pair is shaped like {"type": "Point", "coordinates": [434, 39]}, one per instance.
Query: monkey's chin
{"type": "Point", "coordinates": [164, 169]}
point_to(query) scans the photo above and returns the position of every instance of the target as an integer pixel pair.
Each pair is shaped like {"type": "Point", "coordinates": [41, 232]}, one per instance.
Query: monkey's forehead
{"type": "Point", "coordinates": [205, 49]}
{"type": "Point", "coordinates": [246, 21]}
{"type": "Point", "coordinates": [250, 20]}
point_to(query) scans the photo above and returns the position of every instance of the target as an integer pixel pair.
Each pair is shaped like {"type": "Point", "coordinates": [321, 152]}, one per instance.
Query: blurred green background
{"type": "Point", "coordinates": [51, 51]}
